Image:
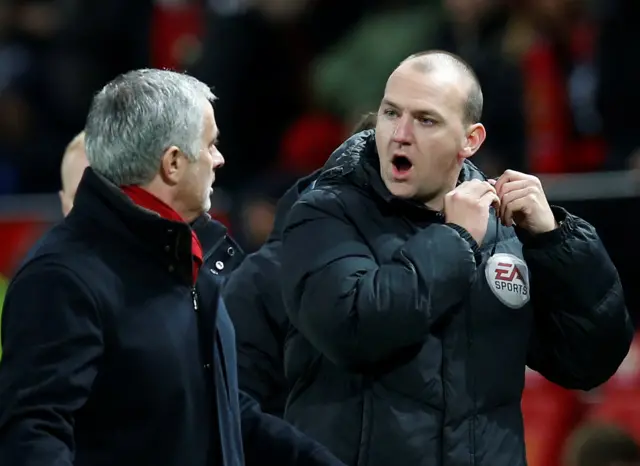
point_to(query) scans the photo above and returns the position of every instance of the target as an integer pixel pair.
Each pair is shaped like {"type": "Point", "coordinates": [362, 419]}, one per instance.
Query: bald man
{"type": "Point", "coordinates": [418, 290]}
{"type": "Point", "coordinates": [74, 161]}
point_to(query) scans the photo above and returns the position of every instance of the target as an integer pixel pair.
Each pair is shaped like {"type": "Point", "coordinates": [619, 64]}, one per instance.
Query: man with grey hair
{"type": "Point", "coordinates": [117, 347]}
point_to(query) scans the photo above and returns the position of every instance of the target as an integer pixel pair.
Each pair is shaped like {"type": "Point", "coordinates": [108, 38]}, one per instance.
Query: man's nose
{"type": "Point", "coordinates": [218, 160]}
{"type": "Point", "coordinates": [403, 133]}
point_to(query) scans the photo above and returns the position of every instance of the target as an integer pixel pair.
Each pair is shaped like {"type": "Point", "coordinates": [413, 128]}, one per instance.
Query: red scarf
{"type": "Point", "coordinates": [148, 201]}
{"type": "Point", "coordinates": [552, 146]}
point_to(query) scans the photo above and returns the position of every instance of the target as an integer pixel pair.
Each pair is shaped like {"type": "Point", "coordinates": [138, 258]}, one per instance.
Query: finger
{"type": "Point", "coordinates": [492, 181]}
{"type": "Point", "coordinates": [489, 198]}
{"type": "Point", "coordinates": [467, 186]}
{"type": "Point", "coordinates": [512, 186]}
{"type": "Point", "coordinates": [506, 194]}
{"type": "Point", "coordinates": [512, 196]}
{"type": "Point", "coordinates": [480, 189]}
{"type": "Point", "coordinates": [472, 188]}
{"type": "Point", "coordinates": [512, 208]}
{"type": "Point", "coordinates": [496, 204]}
{"type": "Point", "coordinates": [462, 187]}
{"type": "Point", "coordinates": [511, 175]}
{"type": "Point", "coordinates": [517, 194]}
{"type": "Point", "coordinates": [499, 182]}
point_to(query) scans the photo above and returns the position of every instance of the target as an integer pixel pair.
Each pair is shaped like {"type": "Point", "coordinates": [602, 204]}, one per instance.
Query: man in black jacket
{"type": "Point", "coordinates": [253, 298]}
{"type": "Point", "coordinates": [419, 290]}
{"type": "Point", "coordinates": [117, 346]}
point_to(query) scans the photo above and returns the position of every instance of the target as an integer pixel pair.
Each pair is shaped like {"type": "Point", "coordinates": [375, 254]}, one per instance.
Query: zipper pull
{"type": "Point", "coordinates": [194, 295]}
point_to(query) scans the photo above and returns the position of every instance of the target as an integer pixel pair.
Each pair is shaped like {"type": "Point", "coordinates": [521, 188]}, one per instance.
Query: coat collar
{"type": "Point", "coordinates": [102, 206]}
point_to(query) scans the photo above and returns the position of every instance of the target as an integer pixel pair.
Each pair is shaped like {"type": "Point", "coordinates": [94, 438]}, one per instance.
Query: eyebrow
{"type": "Point", "coordinates": [215, 139]}
{"type": "Point", "coordinates": [423, 112]}
{"type": "Point", "coordinates": [386, 101]}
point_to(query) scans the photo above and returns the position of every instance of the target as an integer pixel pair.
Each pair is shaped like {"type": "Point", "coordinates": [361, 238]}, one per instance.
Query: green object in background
{"type": "Point", "coordinates": [350, 78]}
{"type": "Point", "coordinates": [4, 283]}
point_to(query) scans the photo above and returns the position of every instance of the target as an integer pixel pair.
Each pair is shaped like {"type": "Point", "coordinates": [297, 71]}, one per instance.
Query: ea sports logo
{"type": "Point", "coordinates": [508, 278]}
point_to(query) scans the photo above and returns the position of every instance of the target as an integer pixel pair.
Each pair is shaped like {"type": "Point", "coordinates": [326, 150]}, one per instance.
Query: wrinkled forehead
{"type": "Point", "coordinates": [413, 85]}
{"type": "Point", "coordinates": [209, 120]}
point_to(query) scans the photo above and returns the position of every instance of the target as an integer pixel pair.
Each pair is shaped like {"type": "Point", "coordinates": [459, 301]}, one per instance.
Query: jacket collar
{"type": "Point", "coordinates": [103, 207]}
{"type": "Point", "coordinates": [210, 232]}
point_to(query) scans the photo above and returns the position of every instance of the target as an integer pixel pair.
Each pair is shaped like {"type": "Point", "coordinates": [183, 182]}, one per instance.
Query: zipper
{"type": "Point", "coordinates": [366, 421]}
{"type": "Point", "coordinates": [194, 296]}
{"type": "Point", "coordinates": [203, 349]}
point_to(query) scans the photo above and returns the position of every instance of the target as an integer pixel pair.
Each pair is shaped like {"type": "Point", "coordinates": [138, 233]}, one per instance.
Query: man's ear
{"type": "Point", "coordinates": [476, 134]}
{"type": "Point", "coordinates": [172, 165]}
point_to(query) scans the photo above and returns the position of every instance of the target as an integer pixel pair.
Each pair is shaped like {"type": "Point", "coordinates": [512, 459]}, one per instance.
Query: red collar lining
{"type": "Point", "coordinates": [146, 200]}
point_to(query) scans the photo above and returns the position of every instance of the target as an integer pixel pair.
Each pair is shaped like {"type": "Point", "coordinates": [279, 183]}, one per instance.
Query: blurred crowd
{"type": "Point", "coordinates": [293, 76]}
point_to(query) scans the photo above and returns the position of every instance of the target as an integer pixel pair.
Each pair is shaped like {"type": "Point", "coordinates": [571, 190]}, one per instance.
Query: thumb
{"type": "Point", "coordinates": [490, 199]}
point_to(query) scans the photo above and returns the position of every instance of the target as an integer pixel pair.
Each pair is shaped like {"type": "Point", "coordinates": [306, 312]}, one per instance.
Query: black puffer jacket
{"type": "Point", "coordinates": [254, 301]}
{"type": "Point", "coordinates": [411, 343]}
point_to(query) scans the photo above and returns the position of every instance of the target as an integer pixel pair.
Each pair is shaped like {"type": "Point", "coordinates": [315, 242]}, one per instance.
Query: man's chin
{"type": "Point", "coordinates": [401, 190]}
{"type": "Point", "coordinates": [206, 207]}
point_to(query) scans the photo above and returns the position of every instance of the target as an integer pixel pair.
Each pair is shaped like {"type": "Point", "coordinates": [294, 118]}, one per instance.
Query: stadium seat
{"type": "Point", "coordinates": [620, 396]}
{"type": "Point", "coordinates": [550, 413]}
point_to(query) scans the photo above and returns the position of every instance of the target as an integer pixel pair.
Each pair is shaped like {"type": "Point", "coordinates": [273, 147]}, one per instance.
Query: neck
{"type": "Point", "coordinates": [167, 195]}
{"type": "Point", "coordinates": [436, 203]}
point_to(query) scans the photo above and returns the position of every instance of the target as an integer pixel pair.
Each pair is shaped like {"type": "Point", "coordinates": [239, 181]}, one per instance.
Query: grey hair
{"type": "Point", "coordinates": [136, 117]}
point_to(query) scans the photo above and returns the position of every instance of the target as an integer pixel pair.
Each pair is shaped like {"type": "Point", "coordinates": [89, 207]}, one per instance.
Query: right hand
{"type": "Point", "coordinates": [468, 206]}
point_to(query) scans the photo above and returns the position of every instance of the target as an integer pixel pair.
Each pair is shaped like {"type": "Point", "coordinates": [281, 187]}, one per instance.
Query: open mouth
{"type": "Point", "coordinates": [401, 164]}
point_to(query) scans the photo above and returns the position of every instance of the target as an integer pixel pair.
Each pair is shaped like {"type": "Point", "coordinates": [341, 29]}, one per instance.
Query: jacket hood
{"type": "Point", "coordinates": [339, 161]}
{"type": "Point", "coordinates": [286, 202]}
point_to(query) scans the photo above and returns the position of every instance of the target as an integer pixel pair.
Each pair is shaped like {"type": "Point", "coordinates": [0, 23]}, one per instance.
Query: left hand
{"type": "Point", "coordinates": [523, 202]}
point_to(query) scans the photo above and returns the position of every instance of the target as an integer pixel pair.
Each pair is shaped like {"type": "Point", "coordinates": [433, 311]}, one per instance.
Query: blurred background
{"type": "Point", "coordinates": [562, 100]}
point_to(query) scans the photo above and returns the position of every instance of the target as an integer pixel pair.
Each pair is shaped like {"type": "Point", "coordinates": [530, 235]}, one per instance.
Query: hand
{"type": "Point", "coordinates": [468, 206]}
{"type": "Point", "coordinates": [523, 202]}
